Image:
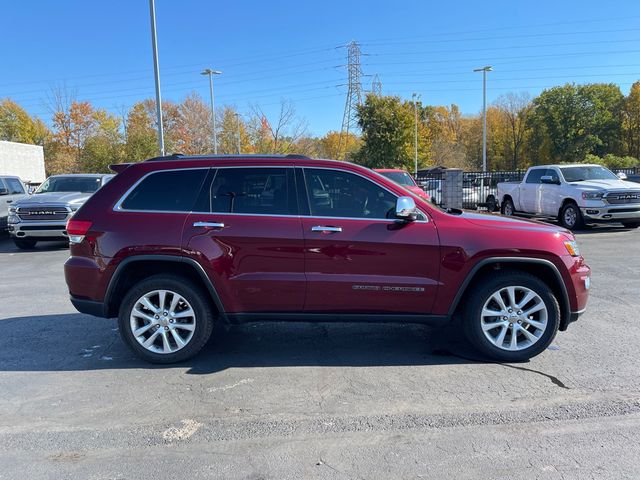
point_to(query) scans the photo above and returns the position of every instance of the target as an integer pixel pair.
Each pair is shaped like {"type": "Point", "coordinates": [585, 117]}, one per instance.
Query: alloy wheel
{"type": "Point", "coordinates": [514, 318]}
{"type": "Point", "coordinates": [162, 321]}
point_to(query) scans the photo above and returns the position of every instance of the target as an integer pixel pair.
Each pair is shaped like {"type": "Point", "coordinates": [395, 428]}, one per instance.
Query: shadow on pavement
{"type": "Point", "coordinates": [78, 342]}
{"type": "Point", "coordinates": [7, 246]}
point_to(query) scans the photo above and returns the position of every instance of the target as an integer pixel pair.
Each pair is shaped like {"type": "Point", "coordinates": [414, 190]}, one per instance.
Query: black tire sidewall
{"type": "Point", "coordinates": [504, 207]}
{"type": "Point", "coordinates": [184, 287]}
{"type": "Point", "coordinates": [25, 243]}
{"type": "Point", "coordinates": [480, 294]}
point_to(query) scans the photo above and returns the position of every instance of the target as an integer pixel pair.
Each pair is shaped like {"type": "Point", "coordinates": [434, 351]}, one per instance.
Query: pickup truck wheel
{"type": "Point", "coordinates": [571, 217]}
{"type": "Point", "coordinates": [165, 319]}
{"type": "Point", "coordinates": [631, 224]}
{"type": "Point", "coordinates": [507, 207]}
{"type": "Point", "coordinates": [25, 243]}
{"type": "Point", "coordinates": [511, 316]}
{"type": "Point", "coordinates": [492, 205]}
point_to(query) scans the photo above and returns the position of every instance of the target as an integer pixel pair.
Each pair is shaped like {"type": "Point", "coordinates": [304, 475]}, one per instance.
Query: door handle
{"type": "Point", "coordinates": [208, 225]}
{"type": "Point", "coordinates": [326, 229]}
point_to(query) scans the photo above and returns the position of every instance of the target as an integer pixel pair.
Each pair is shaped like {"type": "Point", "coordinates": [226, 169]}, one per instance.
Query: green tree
{"type": "Point", "coordinates": [388, 133]}
{"type": "Point", "coordinates": [574, 120]}
{"type": "Point", "coordinates": [105, 146]}
{"type": "Point", "coordinates": [141, 141]}
{"type": "Point", "coordinates": [16, 125]}
{"type": "Point", "coordinates": [631, 121]}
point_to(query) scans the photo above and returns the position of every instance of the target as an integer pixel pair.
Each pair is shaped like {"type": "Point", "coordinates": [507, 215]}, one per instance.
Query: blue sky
{"type": "Point", "coordinates": [281, 49]}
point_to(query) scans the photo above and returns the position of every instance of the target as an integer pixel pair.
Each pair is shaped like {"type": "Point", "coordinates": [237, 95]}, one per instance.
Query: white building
{"type": "Point", "coordinates": [22, 160]}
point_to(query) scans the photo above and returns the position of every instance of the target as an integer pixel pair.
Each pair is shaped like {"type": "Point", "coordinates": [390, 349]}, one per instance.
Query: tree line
{"type": "Point", "coordinates": [570, 123]}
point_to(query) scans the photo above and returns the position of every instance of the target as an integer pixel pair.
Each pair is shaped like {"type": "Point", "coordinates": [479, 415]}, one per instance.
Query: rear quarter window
{"type": "Point", "coordinates": [169, 191]}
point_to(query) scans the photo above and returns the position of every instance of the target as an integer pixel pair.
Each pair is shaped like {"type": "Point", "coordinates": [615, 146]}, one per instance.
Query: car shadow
{"type": "Point", "coordinates": [75, 342]}
{"type": "Point", "coordinates": [605, 228]}
{"type": "Point", "coordinates": [7, 246]}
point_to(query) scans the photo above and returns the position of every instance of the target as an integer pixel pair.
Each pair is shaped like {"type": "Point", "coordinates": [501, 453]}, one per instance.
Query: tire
{"type": "Point", "coordinates": [194, 330]}
{"type": "Point", "coordinates": [487, 340]}
{"type": "Point", "coordinates": [571, 217]}
{"type": "Point", "coordinates": [492, 205]}
{"type": "Point", "coordinates": [631, 224]}
{"type": "Point", "coordinates": [507, 207]}
{"type": "Point", "coordinates": [25, 243]}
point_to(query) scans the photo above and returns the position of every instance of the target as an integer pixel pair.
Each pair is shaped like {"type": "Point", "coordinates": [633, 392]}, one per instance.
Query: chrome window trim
{"type": "Point", "coordinates": [118, 206]}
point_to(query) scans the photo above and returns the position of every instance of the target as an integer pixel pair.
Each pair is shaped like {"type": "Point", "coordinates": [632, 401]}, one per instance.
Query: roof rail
{"type": "Point", "coordinates": [295, 155]}
{"type": "Point", "coordinates": [173, 156]}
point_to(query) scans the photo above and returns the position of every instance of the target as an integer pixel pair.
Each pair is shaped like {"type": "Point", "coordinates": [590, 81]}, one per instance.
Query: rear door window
{"type": "Point", "coordinates": [166, 191]}
{"type": "Point", "coordinates": [260, 191]}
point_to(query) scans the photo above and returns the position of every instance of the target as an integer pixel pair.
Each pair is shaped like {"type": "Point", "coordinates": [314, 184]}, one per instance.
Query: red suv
{"type": "Point", "coordinates": [174, 244]}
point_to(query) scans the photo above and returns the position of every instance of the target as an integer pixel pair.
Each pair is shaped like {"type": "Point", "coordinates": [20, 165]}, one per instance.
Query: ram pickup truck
{"type": "Point", "coordinates": [574, 194]}
{"type": "Point", "coordinates": [43, 216]}
{"type": "Point", "coordinates": [173, 245]}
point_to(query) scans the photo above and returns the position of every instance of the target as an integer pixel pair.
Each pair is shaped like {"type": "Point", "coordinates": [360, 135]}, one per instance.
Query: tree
{"type": "Point", "coordinates": [515, 109]}
{"type": "Point", "coordinates": [105, 146]}
{"type": "Point", "coordinates": [281, 133]}
{"type": "Point", "coordinates": [141, 141]}
{"type": "Point", "coordinates": [578, 119]}
{"type": "Point", "coordinates": [193, 126]}
{"type": "Point", "coordinates": [329, 145]}
{"type": "Point", "coordinates": [387, 125]}
{"type": "Point", "coordinates": [631, 121]}
{"type": "Point", "coordinates": [16, 125]}
{"type": "Point", "coordinates": [232, 129]}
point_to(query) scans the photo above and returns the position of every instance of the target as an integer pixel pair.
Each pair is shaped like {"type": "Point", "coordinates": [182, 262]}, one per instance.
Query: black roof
{"type": "Point", "coordinates": [180, 156]}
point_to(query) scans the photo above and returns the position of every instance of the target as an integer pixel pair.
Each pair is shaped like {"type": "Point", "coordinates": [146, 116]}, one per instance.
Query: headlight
{"type": "Point", "coordinates": [572, 248]}
{"type": "Point", "coordinates": [592, 195]}
{"type": "Point", "coordinates": [12, 210]}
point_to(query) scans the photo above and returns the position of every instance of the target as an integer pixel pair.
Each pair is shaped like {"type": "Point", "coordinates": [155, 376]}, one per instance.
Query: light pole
{"type": "Point", "coordinates": [239, 138]}
{"type": "Point", "coordinates": [211, 73]}
{"type": "Point", "coordinates": [484, 71]}
{"type": "Point", "coordinates": [156, 68]}
{"type": "Point", "coordinates": [415, 98]}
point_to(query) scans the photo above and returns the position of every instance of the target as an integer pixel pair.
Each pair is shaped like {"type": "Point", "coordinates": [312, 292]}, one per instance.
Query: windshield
{"type": "Point", "coordinates": [580, 174]}
{"type": "Point", "coordinates": [403, 178]}
{"type": "Point", "coordinates": [70, 184]}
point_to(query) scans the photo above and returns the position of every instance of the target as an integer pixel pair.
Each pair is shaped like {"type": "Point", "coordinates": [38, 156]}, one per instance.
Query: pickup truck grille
{"type": "Point", "coordinates": [620, 198]}
{"type": "Point", "coordinates": [42, 212]}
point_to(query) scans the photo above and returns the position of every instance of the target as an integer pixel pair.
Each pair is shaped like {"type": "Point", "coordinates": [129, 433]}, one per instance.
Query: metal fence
{"type": "Point", "coordinates": [480, 189]}
{"type": "Point", "coordinates": [433, 184]}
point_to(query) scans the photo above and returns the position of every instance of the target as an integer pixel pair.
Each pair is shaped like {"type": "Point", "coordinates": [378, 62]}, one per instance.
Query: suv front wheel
{"type": "Point", "coordinates": [165, 319]}
{"type": "Point", "coordinates": [511, 316]}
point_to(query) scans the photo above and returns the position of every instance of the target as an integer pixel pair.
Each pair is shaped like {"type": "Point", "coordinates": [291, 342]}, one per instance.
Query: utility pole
{"type": "Point", "coordinates": [376, 86]}
{"type": "Point", "coordinates": [354, 95]}
{"type": "Point", "coordinates": [239, 138]}
{"type": "Point", "coordinates": [156, 69]}
{"type": "Point", "coordinates": [211, 73]}
{"type": "Point", "coordinates": [484, 71]}
{"type": "Point", "coordinates": [415, 97]}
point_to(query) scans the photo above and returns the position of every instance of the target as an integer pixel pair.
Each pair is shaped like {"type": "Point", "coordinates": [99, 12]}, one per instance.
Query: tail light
{"type": "Point", "coordinates": [77, 229]}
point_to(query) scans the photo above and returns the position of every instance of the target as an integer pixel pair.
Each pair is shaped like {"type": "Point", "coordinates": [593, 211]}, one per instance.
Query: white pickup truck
{"type": "Point", "coordinates": [574, 194]}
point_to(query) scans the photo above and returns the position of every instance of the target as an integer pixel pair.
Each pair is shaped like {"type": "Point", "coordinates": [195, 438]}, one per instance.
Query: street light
{"type": "Point", "coordinates": [239, 138]}
{"type": "Point", "coordinates": [484, 71]}
{"type": "Point", "coordinates": [211, 73]}
{"type": "Point", "coordinates": [156, 69]}
{"type": "Point", "coordinates": [415, 98]}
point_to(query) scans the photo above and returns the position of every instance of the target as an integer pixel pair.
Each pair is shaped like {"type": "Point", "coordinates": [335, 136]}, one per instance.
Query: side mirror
{"type": "Point", "coordinates": [549, 180]}
{"type": "Point", "coordinates": [406, 209]}
{"type": "Point", "coordinates": [4, 191]}
{"type": "Point", "coordinates": [622, 176]}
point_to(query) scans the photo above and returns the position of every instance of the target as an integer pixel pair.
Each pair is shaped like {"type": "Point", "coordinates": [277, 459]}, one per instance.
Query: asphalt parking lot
{"type": "Point", "coordinates": [275, 401]}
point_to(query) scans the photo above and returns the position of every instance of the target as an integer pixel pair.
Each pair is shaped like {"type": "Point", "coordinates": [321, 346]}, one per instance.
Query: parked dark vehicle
{"type": "Point", "coordinates": [174, 244]}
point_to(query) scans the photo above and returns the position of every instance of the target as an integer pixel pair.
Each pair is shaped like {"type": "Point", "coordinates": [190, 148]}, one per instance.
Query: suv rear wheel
{"type": "Point", "coordinates": [165, 319]}
{"type": "Point", "coordinates": [511, 316]}
{"type": "Point", "coordinates": [25, 243]}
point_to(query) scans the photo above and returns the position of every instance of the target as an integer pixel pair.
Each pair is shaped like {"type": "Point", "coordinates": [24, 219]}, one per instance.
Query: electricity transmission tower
{"type": "Point", "coordinates": [354, 95]}
{"type": "Point", "coordinates": [376, 86]}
